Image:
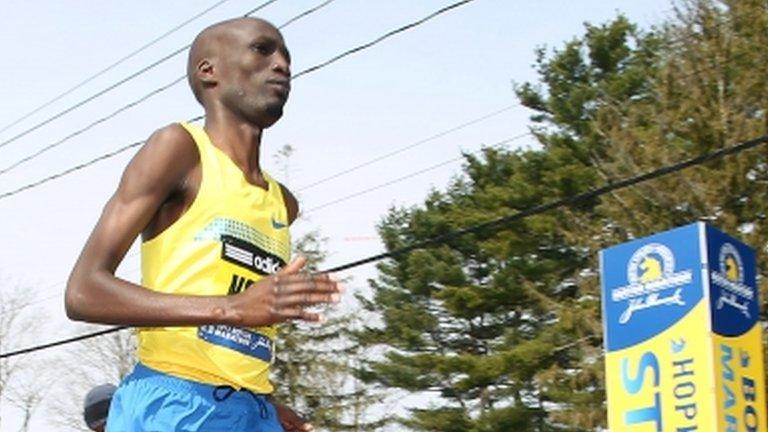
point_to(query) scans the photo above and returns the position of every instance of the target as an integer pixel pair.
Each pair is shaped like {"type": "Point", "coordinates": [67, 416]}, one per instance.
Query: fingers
{"type": "Point", "coordinates": [297, 313]}
{"type": "Point", "coordinates": [294, 266]}
{"type": "Point", "coordinates": [304, 282]}
{"type": "Point", "coordinates": [294, 290]}
{"type": "Point", "coordinates": [306, 299]}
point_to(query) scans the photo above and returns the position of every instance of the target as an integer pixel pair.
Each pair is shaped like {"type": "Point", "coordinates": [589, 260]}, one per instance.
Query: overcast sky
{"type": "Point", "coordinates": [456, 68]}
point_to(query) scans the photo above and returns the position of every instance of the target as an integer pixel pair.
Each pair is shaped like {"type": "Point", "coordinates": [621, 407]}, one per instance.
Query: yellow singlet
{"type": "Point", "coordinates": [232, 234]}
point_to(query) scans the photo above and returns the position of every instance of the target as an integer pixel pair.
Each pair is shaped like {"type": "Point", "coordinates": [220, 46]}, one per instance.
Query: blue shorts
{"type": "Point", "coordinates": [151, 401]}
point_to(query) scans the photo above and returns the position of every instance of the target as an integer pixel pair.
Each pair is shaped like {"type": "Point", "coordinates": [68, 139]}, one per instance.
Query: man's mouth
{"type": "Point", "coordinates": [284, 86]}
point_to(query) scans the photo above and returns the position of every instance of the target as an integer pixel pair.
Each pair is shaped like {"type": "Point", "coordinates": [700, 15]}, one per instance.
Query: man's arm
{"type": "Point", "coordinates": [95, 294]}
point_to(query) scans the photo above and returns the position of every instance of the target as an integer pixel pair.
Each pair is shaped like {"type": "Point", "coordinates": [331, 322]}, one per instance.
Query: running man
{"type": "Point", "coordinates": [215, 249]}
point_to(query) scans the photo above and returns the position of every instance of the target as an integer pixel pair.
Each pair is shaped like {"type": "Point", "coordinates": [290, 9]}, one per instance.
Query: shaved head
{"type": "Point", "coordinates": [241, 67]}
{"type": "Point", "coordinates": [212, 43]}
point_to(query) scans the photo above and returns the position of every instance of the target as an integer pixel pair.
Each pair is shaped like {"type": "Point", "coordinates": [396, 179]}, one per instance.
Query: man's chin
{"type": "Point", "coordinates": [273, 113]}
{"type": "Point", "coordinates": [275, 110]}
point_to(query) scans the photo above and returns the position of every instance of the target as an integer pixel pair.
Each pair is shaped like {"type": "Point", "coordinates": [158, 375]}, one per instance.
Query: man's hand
{"type": "Point", "coordinates": [290, 421]}
{"type": "Point", "coordinates": [284, 296]}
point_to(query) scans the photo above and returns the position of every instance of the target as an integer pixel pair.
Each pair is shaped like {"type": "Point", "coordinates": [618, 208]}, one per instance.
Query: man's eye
{"type": "Point", "coordinates": [261, 49]}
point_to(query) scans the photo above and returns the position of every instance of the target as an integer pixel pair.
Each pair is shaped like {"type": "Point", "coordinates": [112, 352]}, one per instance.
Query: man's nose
{"type": "Point", "coordinates": [281, 65]}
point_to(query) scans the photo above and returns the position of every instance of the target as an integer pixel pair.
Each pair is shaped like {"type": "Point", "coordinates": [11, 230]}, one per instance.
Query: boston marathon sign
{"type": "Point", "coordinates": [682, 338]}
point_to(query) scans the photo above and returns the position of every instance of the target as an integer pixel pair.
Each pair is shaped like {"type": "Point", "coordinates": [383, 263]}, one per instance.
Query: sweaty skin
{"type": "Point", "coordinates": [239, 70]}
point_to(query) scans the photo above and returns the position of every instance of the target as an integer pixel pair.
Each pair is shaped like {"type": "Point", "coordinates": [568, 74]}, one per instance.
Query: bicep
{"type": "Point", "coordinates": [151, 176]}
{"type": "Point", "coordinates": [121, 222]}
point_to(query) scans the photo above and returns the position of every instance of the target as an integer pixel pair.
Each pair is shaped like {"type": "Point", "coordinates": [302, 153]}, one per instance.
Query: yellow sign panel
{"type": "Point", "coordinates": [683, 342]}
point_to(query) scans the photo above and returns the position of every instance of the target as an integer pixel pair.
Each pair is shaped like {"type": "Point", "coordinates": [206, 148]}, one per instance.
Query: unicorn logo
{"type": "Point", "coordinates": [653, 282]}
{"type": "Point", "coordinates": [731, 264]}
{"type": "Point", "coordinates": [730, 278]}
{"type": "Point", "coordinates": [650, 263]}
{"type": "Point", "coordinates": [731, 268]}
{"type": "Point", "coordinates": [651, 268]}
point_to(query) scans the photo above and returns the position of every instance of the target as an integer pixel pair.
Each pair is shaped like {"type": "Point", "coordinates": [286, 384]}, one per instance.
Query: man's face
{"type": "Point", "coordinates": [255, 72]}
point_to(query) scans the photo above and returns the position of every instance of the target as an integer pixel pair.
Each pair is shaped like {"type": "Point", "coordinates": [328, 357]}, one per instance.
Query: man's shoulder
{"type": "Point", "coordinates": [172, 144]}
{"type": "Point", "coordinates": [172, 134]}
{"type": "Point", "coordinates": [168, 155]}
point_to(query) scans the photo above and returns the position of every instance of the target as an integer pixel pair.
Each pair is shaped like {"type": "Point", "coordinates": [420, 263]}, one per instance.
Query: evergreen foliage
{"type": "Point", "coordinates": [315, 364]}
{"type": "Point", "coordinates": [503, 328]}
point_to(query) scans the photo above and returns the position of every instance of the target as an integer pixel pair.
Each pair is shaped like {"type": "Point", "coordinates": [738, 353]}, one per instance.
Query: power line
{"type": "Point", "coordinates": [70, 170]}
{"type": "Point", "coordinates": [311, 69]}
{"type": "Point", "coordinates": [382, 37]}
{"type": "Point", "coordinates": [494, 223]}
{"type": "Point", "coordinates": [302, 73]}
{"type": "Point", "coordinates": [563, 202]}
{"type": "Point", "coordinates": [305, 13]}
{"type": "Point", "coordinates": [112, 66]}
{"type": "Point", "coordinates": [89, 99]}
{"type": "Point", "coordinates": [345, 198]}
{"type": "Point", "coordinates": [62, 342]}
{"type": "Point", "coordinates": [112, 87]}
{"type": "Point", "coordinates": [407, 147]}
{"type": "Point", "coordinates": [369, 162]}
{"type": "Point", "coordinates": [138, 101]}
{"type": "Point", "coordinates": [519, 215]}
{"type": "Point", "coordinates": [359, 193]}
{"type": "Point", "coordinates": [88, 127]}
{"type": "Point", "coordinates": [200, 117]}
{"type": "Point", "coordinates": [80, 166]}
{"type": "Point", "coordinates": [59, 294]}
{"type": "Point", "coordinates": [407, 176]}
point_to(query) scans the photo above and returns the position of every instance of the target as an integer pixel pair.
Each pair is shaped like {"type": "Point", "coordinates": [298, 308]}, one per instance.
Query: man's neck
{"type": "Point", "coordinates": [239, 140]}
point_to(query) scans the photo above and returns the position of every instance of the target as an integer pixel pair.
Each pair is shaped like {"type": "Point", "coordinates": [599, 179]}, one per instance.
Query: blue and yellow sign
{"type": "Point", "coordinates": [682, 339]}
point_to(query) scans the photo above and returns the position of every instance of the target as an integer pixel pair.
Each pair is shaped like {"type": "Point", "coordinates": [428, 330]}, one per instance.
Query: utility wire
{"type": "Point", "coordinates": [70, 170]}
{"type": "Point", "coordinates": [111, 87]}
{"type": "Point", "coordinates": [494, 223]}
{"type": "Point", "coordinates": [407, 147]}
{"type": "Point", "coordinates": [613, 186]}
{"type": "Point", "coordinates": [305, 13]}
{"type": "Point", "coordinates": [81, 166]}
{"type": "Point", "coordinates": [62, 342]}
{"type": "Point", "coordinates": [112, 66]}
{"type": "Point", "coordinates": [345, 198]}
{"type": "Point", "coordinates": [302, 73]}
{"type": "Point", "coordinates": [89, 126]}
{"type": "Point", "coordinates": [136, 102]}
{"type": "Point", "coordinates": [383, 37]}
{"type": "Point", "coordinates": [336, 201]}
{"type": "Point", "coordinates": [58, 295]}
{"type": "Point", "coordinates": [562, 202]}
{"type": "Point", "coordinates": [407, 176]}
{"type": "Point", "coordinates": [200, 117]}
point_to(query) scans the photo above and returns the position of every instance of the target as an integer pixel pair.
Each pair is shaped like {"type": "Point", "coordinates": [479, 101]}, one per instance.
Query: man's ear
{"type": "Point", "coordinates": [205, 72]}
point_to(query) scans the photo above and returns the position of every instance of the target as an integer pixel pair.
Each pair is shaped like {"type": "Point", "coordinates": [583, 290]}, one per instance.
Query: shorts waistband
{"type": "Point", "coordinates": [170, 382]}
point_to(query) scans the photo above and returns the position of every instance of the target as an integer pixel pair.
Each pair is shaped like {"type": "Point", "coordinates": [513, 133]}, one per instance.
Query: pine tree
{"type": "Point", "coordinates": [315, 365]}
{"type": "Point", "coordinates": [504, 327]}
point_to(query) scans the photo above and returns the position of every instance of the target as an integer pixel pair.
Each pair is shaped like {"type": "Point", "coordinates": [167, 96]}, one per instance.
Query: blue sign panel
{"type": "Point", "coordinates": [733, 290]}
{"type": "Point", "coordinates": [650, 284]}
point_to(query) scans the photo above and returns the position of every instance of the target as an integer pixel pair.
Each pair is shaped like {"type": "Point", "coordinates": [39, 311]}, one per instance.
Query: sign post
{"type": "Point", "coordinates": [682, 338]}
